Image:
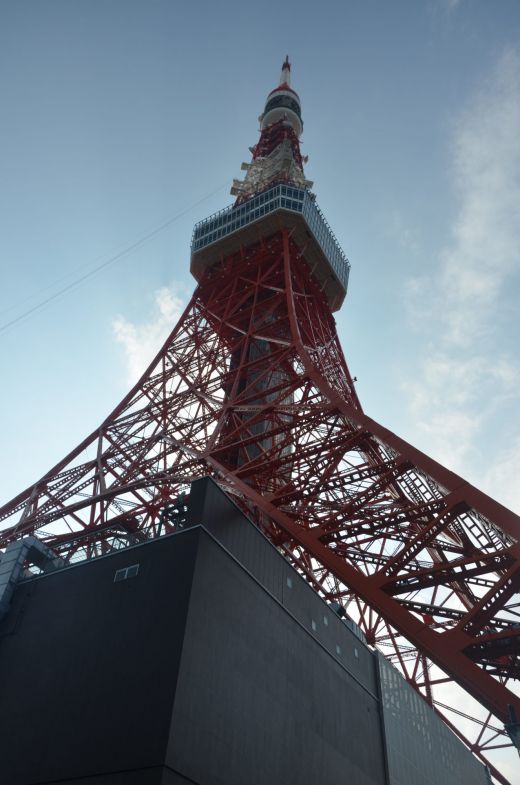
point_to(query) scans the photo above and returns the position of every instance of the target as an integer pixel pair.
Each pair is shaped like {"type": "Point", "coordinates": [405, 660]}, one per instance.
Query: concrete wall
{"type": "Point", "coordinates": [259, 700]}
{"type": "Point", "coordinates": [421, 749]}
{"type": "Point", "coordinates": [216, 664]}
{"type": "Point", "coordinates": [89, 667]}
{"type": "Point", "coordinates": [210, 507]}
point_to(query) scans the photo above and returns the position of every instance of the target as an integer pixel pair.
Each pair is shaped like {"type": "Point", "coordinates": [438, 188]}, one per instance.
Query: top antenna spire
{"type": "Point", "coordinates": [285, 77]}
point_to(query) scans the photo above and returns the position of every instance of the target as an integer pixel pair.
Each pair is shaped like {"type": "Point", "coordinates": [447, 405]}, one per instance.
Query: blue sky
{"type": "Point", "coordinates": [118, 116]}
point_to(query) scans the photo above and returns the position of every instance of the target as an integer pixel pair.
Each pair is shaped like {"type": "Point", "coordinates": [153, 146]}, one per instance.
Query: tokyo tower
{"type": "Point", "coordinates": [252, 389]}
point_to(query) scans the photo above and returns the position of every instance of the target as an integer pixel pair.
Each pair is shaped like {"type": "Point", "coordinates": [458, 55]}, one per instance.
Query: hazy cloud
{"type": "Point", "coordinates": [502, 478]}
{"type": "Point", "coordinates": [466, 376]}
{"type": "Point", "coordinates": [448, 6]}
{"type": "Point", "coordinates": [141, 342]}
{"type": "Point", "coordinates": [485, 248]}
{"type": "Point", "coordinates": [406, 236]}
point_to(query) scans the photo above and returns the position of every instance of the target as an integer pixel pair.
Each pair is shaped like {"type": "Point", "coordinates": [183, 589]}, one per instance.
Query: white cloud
{"type": "Point", "coordinates": [406, 236]}
{"type": "Point", "coordinates": [446, 7]}
{"type": "Point", "coordinates": [442, 406]}
{"type": "Point", "coordinates": [485, 248]}
{"type": "Point", "coordinates": [141, 342]}
{"type": "Point", "coordinates": [502, 479]}
{"type": "Point", "coordinates": [467, 375]}
{"type": "Point", "coordinates": [451, 5]}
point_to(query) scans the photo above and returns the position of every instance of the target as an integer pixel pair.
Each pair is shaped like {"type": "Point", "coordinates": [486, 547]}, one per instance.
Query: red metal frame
{"type": "Point", "coordinates": [252, 388]}
{"type": "Point", "coordinates": [272, 136]}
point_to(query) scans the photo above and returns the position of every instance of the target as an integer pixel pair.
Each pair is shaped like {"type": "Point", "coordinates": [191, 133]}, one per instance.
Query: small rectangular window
{"type": "Point", "coordinates": [338, 649]}
{"type": "Point", "coordinates": [313, 625]}
{"type": "Point", "coordinates": [326, 621]}
{"type": "Point", "coordinates": [126, 572]}
{"type": "Point", "coordinates": [289, 582]}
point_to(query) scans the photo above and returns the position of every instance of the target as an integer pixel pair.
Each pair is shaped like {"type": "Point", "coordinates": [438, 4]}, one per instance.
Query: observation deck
{"type": "Point", "coordinates": [282, 206]}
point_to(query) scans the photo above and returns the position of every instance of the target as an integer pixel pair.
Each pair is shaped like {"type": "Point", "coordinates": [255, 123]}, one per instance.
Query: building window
{"type": "Point", "coordinates": [313, 625]}
{"type": "Point", "coordinates": [125, 573]}
{"type": "Point", "coordinates": [326, 621]}
{"type": "Point", "coordinates": [289, 582]}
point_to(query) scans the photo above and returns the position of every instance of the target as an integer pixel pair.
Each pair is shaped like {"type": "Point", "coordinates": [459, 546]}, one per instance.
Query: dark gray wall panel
{"type": "Point", "coordinates": [258, 700]}
{"type": "Point", "coordinates": [89, 666]}
{"type": "Point", "coordinates": [153, 776]}
{"type": "Point", "coordinates": [421, 749]}
{"type": "Point", "coordinates": [216, 665]}
{"type": "Point", "coordinates": [210, 507]}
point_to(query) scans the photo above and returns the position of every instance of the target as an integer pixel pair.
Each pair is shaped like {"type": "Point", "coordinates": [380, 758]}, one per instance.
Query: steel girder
{"type": "Point", "coordinates": [252, 388]}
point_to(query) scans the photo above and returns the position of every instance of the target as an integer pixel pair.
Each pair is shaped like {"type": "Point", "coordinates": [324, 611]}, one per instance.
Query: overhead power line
{"type": "Point", "coordinates": [111, 260]}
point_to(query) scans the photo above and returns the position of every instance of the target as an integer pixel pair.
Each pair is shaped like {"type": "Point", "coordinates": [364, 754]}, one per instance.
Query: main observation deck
{"type": "Point", "coordinates": [282, 206]}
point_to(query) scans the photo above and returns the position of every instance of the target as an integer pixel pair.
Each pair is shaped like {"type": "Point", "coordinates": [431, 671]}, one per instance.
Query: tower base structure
{"type": "Point", "coordinates": [203, 657]}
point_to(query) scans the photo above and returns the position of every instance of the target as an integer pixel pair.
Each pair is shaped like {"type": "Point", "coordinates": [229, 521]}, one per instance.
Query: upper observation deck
{"type": "Point", "coordinates": [281, 206]}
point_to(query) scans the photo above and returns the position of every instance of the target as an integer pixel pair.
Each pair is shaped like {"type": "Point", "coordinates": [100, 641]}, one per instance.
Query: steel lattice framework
{"type": "Point", "coordinates": [252, 388]}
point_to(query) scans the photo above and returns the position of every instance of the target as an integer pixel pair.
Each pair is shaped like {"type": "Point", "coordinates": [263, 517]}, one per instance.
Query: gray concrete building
{"type": "Point", "coordinates": [203, 658]}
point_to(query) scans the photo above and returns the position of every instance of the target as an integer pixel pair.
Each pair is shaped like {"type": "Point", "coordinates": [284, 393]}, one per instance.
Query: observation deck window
{"type": "Point", "coordinates": [278, 197]}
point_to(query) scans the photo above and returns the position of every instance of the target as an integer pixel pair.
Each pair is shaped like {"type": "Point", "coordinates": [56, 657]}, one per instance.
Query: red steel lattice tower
{"type": "Point", "coordinates": [252, 388]}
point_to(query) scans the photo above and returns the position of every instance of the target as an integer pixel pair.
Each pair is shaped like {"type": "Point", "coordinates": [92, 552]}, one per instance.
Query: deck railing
{"type": "Point", "coordinates": [279, 197]}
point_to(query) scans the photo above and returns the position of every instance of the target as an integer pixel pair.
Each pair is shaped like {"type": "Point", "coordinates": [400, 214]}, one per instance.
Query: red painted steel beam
{"type": "Point", "coordinates": [252, 388]}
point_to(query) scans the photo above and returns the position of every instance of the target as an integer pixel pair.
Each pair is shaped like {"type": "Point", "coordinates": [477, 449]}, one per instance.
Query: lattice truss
{"type": "Point", "coordinates": [252, 388]}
